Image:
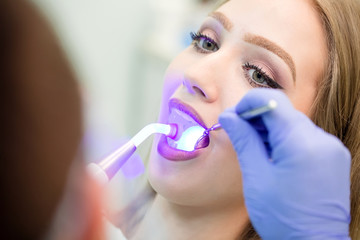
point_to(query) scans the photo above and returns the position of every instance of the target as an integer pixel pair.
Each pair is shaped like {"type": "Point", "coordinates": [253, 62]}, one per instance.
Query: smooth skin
{"type": "Point", "coordinates": [203, 198]}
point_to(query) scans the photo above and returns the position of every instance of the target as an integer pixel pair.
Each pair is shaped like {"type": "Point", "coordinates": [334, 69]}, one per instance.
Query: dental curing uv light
{"type": "Point", "coordinates": [189, 138]}
{"type": "Point", "coordinates": [105, 170]}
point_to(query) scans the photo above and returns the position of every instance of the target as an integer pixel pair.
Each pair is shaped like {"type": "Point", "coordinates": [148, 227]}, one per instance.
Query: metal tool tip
{"type": "Point", "coordinates": [272, 104]}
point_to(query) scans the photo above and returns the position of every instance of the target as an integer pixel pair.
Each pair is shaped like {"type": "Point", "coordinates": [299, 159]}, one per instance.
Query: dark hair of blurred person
{"type": "Point", "coordinates": [40, 135]}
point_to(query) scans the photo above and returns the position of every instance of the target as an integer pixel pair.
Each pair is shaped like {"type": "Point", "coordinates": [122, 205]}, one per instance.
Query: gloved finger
{"type": "Point", "coordinates": [250, 149]}
{"type": "Point", "coordinates": [258, 124]}
{"type": "Point", "coordinates": [278, 122]}
{"type": "Point", "coordinates": [260, 96]}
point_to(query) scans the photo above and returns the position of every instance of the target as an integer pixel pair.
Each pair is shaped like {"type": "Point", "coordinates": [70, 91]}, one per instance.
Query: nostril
{"type": "Point", "coordinates": [199, 91]}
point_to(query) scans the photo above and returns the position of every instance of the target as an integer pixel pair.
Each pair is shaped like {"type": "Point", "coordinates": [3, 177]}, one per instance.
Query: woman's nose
{"type": "Point", "coordinates": [203, 78]}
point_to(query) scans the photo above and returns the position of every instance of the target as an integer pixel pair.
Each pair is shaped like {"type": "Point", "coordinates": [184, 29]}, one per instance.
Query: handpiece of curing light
{"type": "Point", "coordinates": [108, 167]}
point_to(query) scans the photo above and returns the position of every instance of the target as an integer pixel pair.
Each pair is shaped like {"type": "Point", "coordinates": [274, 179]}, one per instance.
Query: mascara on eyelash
{"type": "Point", "coordinates": [271, 83]}
{"type": "Point", "coordinates": [197, 37]}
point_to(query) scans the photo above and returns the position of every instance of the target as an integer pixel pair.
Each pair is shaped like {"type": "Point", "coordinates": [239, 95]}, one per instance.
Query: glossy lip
{"type": "Point", "coordinates": [178, 104]}
{"type": "Point", "coordinates": [174, 154]}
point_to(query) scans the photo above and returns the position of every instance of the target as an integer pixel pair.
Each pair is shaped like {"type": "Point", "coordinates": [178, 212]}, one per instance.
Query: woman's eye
{"type": "Point", "coordinates": [203, 43]}
{"type": "Point", "coordinates": [258, 78]}
{"type": "Point", "coordinates": [207, 44]}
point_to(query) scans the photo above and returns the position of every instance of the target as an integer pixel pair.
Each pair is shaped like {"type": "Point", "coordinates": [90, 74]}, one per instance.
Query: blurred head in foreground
{"type": "Point", "coordinates": [40, 135]}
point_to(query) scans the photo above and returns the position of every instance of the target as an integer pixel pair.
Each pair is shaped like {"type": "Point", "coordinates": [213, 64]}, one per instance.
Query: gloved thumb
{"type": "Point", "coordinates": [248, 144]}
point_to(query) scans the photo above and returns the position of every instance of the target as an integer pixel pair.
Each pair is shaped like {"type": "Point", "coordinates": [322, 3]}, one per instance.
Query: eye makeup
{"type": "Point", "coordinates": [214, 26]}
{"type": "Point", "coordinates": [259, 66]}
{"type": "Point", "coordinates": [207, 39]}
{"type": "Point", "coordinates": [257, 77]}
{"type": "Point", "coordinates": [203, 43]}
{"type": "Point", "coordinates": [267, 63]}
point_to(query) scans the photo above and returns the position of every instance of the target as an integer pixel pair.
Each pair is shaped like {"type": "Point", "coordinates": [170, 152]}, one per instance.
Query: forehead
{"type": "Point", "coordinates": [292, 24]}
{"type": "Point", "coordinates": [280, 20]}
{"type": "Point", "coordinates": [283, 12]}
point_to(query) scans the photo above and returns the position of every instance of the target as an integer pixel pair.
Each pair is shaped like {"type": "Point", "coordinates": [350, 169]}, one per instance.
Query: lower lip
{"type": "Point", "coordinates": [174, 154]}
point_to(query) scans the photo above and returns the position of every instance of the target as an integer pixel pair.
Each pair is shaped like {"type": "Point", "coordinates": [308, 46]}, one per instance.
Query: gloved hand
{"type": "Point", "coordinates": [296, 177]}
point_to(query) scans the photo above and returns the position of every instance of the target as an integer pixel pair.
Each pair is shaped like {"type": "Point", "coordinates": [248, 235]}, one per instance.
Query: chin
{"type": "Point", "coordinates": [212, 178]}
{"type": "Point", "coordinates": [186, 188]}
{"type": "Point", "coordinates": [173, 184]}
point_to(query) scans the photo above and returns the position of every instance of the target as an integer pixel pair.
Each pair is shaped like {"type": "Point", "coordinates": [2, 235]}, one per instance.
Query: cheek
{"type": "Point", "coordinates": [172, 81]}
{"type": "Point", "coordinates": [173, 78]}
{"type": "Point", "coordinates": [227, 167]}
{"type": "Point", "coordinates": [221, 178]}
{"type": "Point", "coordinates": [303, 97]}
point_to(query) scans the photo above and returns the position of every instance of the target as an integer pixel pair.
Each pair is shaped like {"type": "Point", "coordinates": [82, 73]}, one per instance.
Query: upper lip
{"type": "Point", "coordinates": [178, 104]}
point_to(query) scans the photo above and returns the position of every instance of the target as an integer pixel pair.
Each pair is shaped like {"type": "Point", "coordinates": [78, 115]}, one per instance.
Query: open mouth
{"type": "Point", "coordinates": [189, 131]}
{"type": "Point", "coordinates": [190, 128]}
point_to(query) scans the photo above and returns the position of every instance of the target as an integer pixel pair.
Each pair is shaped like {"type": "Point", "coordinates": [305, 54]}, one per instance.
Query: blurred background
{"type": "Point", "coordinates": [119, 51]}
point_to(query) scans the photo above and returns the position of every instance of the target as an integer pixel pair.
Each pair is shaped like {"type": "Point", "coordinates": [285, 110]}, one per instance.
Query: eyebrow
{"type": "Point", "coordinates": [259, 41]}
{"type": "Point", "coordinates": [222, 19]}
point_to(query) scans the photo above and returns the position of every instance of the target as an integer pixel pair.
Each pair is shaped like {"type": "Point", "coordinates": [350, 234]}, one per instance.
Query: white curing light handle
{"type": "Point", "coordinates": [105, 170]}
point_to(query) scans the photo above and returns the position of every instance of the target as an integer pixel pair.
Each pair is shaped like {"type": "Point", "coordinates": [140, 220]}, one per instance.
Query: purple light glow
{"type": "Point", "coordinates": [96, 143]}
{"type": "Point", "coordinates": [134, 167]}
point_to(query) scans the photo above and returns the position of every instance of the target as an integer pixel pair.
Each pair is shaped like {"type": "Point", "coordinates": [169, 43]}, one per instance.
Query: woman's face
{"type": "Point", "coordinates": [242, 45]}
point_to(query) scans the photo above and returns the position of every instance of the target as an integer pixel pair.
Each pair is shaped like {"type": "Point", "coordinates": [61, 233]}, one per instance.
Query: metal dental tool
{"type": "Point", "coordinates": [108, 167]}
{"type": "Point", "coordinates": [193, 138]}
{"type": "Point", "coordinates": [204, 140]}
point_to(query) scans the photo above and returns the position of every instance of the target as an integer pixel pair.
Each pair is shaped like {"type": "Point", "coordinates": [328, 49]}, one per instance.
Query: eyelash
{"type": "Point", "coordinates": [271, 83]}
{"type": "Point", "coordinates": [196, 37]}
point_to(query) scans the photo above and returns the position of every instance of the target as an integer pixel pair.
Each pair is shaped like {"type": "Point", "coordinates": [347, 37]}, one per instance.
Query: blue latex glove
{"type": "Point", "coordinates": [296, 177]}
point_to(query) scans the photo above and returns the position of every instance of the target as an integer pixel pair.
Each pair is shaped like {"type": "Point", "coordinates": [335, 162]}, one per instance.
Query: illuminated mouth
{"type": "Point", "coordinates": [190, 126]}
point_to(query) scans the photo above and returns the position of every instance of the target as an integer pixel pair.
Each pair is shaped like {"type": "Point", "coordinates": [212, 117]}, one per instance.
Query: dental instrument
{"type": "Point", "coordinates": [104, 171]}
{"type": "Point", "coordinates": [204, 140]}
{"type": "Point", "coordinates": [191, 139]}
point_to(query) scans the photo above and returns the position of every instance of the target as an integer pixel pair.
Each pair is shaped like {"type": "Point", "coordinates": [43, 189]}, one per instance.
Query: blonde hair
{"type": "Point", "coordinates": [337, 106]}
